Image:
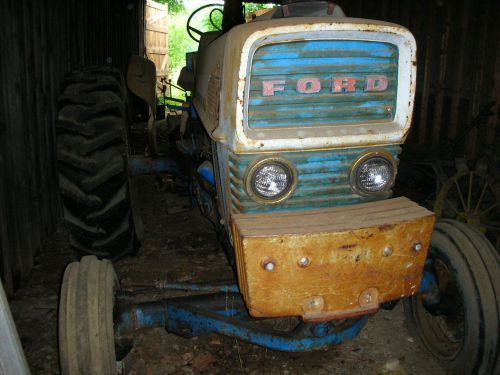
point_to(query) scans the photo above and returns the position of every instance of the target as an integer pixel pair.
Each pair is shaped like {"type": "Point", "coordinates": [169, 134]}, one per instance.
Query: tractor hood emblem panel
{"type": "Point", "coordinates": [337, 85]}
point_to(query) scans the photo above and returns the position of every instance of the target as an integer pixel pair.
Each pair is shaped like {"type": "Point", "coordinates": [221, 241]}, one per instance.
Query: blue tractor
{"type": "Point", "coordinates": [289, 141]}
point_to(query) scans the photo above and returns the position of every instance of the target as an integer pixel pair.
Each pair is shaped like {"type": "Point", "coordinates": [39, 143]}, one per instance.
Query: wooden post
{"type": "Point", "coordinates": [156, 38]}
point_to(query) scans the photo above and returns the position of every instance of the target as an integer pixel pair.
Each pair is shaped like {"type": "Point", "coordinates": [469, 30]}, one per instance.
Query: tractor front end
{"type": "Point", "coordinates": [307, 135]}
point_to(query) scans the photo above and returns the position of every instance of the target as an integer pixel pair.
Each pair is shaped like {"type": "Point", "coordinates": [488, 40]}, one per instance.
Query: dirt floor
{"type": "Point", "coordinates": [179, 245]}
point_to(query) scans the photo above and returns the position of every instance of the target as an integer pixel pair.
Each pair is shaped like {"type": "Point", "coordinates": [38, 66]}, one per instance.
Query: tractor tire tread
{"type": "Point", "coordinates": [92, 156]}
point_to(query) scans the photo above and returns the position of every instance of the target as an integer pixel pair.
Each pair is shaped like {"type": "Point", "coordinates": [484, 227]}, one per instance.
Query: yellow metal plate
{"type": "Point", "coordinates": [331, 263]}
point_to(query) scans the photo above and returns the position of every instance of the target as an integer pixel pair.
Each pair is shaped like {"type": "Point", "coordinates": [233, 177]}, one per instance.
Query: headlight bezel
{"type": "Point", "coordinates": [364, 157]}
{"type": "Point", "coordinates": [257, 165]}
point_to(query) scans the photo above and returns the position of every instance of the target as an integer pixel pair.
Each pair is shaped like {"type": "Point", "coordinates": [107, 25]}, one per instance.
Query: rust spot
{"type": "Point", "coordinates": [347, 247]}
{"type": "Point", "coordinates": [411, 276]}
{"type": "Point", "coordinates": [385, 227]}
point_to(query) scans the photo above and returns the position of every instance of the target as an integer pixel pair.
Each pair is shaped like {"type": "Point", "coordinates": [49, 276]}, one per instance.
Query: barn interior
{"type": "Point", "coordinates": [452, 148]}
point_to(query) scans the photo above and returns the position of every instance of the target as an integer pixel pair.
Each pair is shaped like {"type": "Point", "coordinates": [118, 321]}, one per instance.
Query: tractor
{"type": "Point", "coordinates": [289, 142]}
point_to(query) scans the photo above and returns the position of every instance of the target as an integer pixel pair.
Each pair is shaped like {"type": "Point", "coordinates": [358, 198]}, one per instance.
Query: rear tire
{"type": "Point", "coordinates": [92, 160]}
{"type": "Point", "coordinates": [86, 335]}
{"type": "Point", "coordinates": [462, 329]}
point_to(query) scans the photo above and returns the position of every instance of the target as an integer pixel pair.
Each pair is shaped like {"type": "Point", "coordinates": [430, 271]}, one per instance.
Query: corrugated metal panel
{"type": "Point", "coordinates": [302, 78]}
{"type": "Point", "coordinates": [41, 42]}
{"type": "Point", "coordinates": [457, 59]}
{"type": "Point", "coordinates": [323, 180]}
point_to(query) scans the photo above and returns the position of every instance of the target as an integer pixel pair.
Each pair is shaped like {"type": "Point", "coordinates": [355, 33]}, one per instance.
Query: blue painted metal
{"type": "Point", "coordinates": [206, 170]}
{"type": "Point", "coordinates": [323, 180]}
{"type": "Point", "coordinates": [194, 323]}
{"type": "Point", "coordinates": [128, 318]}
{"type": "Point", "coordinates": [225, 313]}
{"type": "Point", "coordinates": [141, 165]}
{"type": "Point", "coordinates": [177, 107]}
{"type": "Point", "coordinates": [198, 287]}
{"type": "Point", "coordinates": [325, 60]}
{"type": "Point", "coordinates": [429, 287]}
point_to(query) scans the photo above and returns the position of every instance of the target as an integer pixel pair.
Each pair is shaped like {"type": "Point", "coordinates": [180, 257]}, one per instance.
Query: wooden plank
{"type": "Point", "coordinates": [156, 17]}
{"type": "Point", "coordinates": [155, 5]}
{"type": "Point", "coordinates": [158, 50]}
{"type": "Point", "coordinates": [443, 65]}
{"type": "Point", "coordinates": [6, 52]}
{"type": "Point", "coordinates": [156, 37]}
{"type": "Point", "coordinates": [494, 120]}
{"type": "Point", "coordinates": [159, 29]}
{"type": "Point", "coordinates": [459, 76]}
{"type": "Point", "coordinates": [479, 71]}
{"type": "Point", "coordinates": [427, 72]}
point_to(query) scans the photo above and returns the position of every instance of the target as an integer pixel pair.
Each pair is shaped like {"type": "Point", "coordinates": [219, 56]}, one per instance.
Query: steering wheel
{"type": "Point", "coordinates": [193, 32]}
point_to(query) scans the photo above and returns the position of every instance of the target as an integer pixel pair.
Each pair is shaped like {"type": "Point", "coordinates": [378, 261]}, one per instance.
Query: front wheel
{"type": "Point", "coordinates": [86, 333]}
{"type": "Point", "coordinates": [457, 320]}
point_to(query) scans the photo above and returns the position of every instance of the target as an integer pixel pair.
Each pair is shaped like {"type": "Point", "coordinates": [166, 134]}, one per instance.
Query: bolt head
{"type": "Point", "coordinates": [304, 261]}
{"type": "Point", "coordinates": [269, 266]}
{"type": "Point", "coordinates": [314, 303]}
{"type": "Point", "coordinates": [367, 297]}
{"type": "Point", "coordinates": [387, 251]}
{"type": "Point", "coordinates": [417, 246]}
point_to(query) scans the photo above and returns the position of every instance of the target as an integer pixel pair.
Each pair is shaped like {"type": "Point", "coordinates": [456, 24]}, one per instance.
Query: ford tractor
{"type": "Point", "coordinates": [289, 141]}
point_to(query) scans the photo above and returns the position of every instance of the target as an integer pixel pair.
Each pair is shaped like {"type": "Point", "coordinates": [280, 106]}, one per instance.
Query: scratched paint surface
{"type": "Point", "coordinates": [294, 84]}
{"type": "Point", "coordinates": [343, 263]}
{"type": "Point", "coordinates": [323, 180]}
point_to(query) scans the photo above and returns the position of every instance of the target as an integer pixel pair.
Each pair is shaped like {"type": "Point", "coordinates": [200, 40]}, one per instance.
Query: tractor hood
{"type": "Point", "coordinates": [307, 83]}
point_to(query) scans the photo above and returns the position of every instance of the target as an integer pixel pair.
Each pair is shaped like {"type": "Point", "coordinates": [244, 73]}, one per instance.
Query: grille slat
{"type": "Point", "coordinates": [323, 180]}
{"type": "Point", "coordinates": [283, 105]}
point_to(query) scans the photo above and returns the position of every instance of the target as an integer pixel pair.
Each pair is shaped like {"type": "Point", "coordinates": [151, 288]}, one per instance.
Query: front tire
{"type": "Point", "coordinates": [86, 335]}
{"type": "Point", "coordinates": [461, 328]}
{"type": "Point", "coordinates": [92, 161]}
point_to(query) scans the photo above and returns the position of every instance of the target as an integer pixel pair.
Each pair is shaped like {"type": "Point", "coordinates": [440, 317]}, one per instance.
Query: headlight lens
{"type": "Point", "coordinates": [271, 180]}
{"type": "Point", "coordinates": [373, 175]}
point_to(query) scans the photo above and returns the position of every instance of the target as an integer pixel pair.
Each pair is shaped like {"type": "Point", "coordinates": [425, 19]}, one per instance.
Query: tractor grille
{"type": "Point", "coordinates": [276, 100]}
{"type": "Point", "coordinates": [323, 180]}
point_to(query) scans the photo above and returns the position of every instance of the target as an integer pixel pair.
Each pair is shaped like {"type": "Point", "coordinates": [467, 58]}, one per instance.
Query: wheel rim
{"type": "Point", "coordinates": [444, 323]}
{"type": "Point", "coordinates": [469, 197]}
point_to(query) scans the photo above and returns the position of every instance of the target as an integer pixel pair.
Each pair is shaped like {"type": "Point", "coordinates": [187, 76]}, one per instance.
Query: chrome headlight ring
{"type": "Point", "coordinates": [270, 180]}
{"type": "Point", "coordinates": [373, 173]}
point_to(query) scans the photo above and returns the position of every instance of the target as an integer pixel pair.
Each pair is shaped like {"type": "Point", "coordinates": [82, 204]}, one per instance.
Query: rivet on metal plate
{"type": "Point", "coordinates": [387, 251]}
{"type": "Point", "coordinates": [417, 246]}
{"type": "Point", "coordinates": [268, 265]}
{"type": "Point", "coordinates": [303, 261]}
{"type": "Point", "coordinates": [368, 298]}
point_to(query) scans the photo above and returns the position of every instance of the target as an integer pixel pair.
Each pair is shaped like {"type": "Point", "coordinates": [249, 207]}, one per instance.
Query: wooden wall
{"type": "Point", "coordinates": [458, 69]}
{"type": "Point", "coordinates": [40, 42]}
{"type": "Point", "coordinates": [156, 36]}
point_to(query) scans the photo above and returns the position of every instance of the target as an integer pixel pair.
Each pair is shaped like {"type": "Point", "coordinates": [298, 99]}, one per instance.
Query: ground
{"type": "Point", "coordinates": [179, 245]}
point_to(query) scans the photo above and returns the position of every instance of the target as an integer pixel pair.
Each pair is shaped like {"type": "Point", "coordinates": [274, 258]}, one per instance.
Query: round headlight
{"type": "Point", "coordinates": [373, 173]}
{"type": "Point", "coordinates": [270, 180]}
